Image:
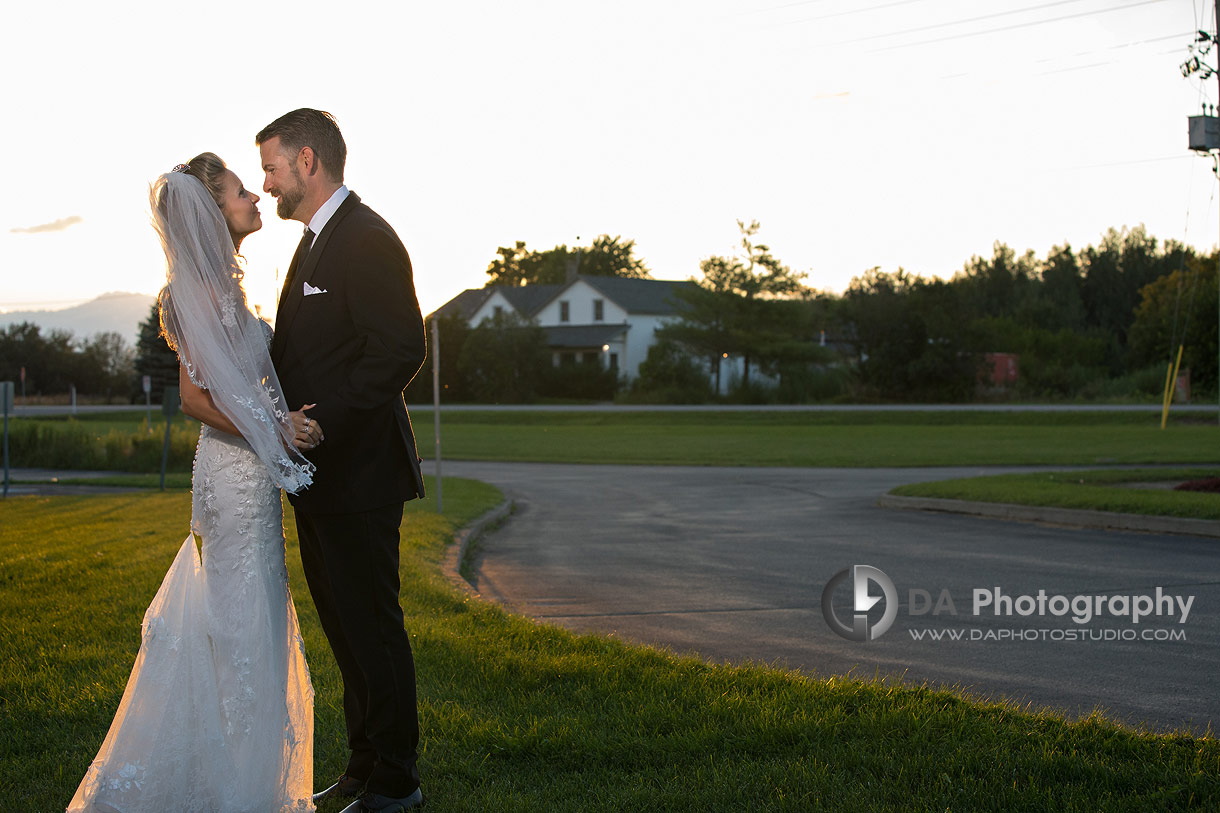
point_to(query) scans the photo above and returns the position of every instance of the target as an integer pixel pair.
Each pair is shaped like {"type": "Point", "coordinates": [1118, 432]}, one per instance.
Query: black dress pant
{"type": "Point", "coordinates": [351, 565]}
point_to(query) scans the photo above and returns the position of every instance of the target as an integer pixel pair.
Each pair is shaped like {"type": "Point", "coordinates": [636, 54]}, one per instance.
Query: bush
{"type": "Point", "coordinates": [811, 383]}
{"type": "Point", "coordinates": [503, 360]}
{"type": "Point", "coordinates": [587, 381]}
{"type": "Point", "coordinates": [74, 446]}
{"type": "Point", "coordinates": [1141, 385]}
{"type": "Point", "coordinates": [669, 376]}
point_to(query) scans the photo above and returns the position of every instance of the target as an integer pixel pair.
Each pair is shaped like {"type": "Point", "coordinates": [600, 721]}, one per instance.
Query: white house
{"type": "Point", "coordinates": [588, 318]}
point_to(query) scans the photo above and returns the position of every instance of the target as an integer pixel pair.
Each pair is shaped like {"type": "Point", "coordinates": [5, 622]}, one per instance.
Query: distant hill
{"type": "Point", "coordinates": [116, 312]}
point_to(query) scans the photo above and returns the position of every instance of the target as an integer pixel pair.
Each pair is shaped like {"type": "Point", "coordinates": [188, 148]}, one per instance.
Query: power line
{"type": "Point", "coordinates": [1122, 45]}
{"type": "Point", "coordinates": [781, 7]}
{"type": "Point", "coordinates": [1017, 26]}
{"type": "Point", "coordinates": [1102, 63]}
{"type": "Point", "coordinates": [963, 21]}
{"type": "Point", "coordinates": [1122, 163]}
{"type": "Point", "coordinates": [859, 11]}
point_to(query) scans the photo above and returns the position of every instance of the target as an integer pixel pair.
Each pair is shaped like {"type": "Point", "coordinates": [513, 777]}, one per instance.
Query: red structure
{"type": "Point", "coordinates": [1003, 368]}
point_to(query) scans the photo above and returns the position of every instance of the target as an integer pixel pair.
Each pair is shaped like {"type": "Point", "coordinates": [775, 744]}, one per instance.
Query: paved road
{"type": "Point", "coordinates": [1197, 408]}
{"type": "Point", "coordinates": [730, 563]}
{"type": "Point", "coordinates": [47, 482]}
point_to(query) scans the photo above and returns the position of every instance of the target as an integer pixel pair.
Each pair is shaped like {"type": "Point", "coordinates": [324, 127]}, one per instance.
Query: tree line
{"type": "Point", "coordinates": [1099, 322]}
{"type": "Point", "coordinates": [101, 365]}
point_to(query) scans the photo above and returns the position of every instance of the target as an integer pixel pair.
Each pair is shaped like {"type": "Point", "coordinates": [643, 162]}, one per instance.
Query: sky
{"type": "Point", "coordinates": [859, 133]}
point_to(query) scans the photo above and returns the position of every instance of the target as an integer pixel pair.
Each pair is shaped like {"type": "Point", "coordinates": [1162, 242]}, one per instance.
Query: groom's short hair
{"type": "Point", "coordinates": [311, 128]}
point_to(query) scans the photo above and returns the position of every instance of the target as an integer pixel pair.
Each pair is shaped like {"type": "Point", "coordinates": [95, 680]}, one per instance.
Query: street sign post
{"type": "Point", "coordinates": [6, 405]}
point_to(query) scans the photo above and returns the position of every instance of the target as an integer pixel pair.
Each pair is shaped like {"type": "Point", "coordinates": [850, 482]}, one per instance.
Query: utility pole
{"type": "Point", "coordinates": [1204, 138]}
{"type": "Point", "coordinates": [436, 407]}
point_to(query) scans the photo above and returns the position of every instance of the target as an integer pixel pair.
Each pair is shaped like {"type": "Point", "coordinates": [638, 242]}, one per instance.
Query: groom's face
{"type": "Point", "coordinates": [282, 179]}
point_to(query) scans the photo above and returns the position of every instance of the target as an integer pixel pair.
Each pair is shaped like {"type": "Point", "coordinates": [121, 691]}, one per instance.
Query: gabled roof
{"type": "Point", "coordinates": [654, 296]}
{"type": "Point", "coordinates": [528, 299]}
{"type": "Point", "coordinates": [642, 296]}
{"type": "Point", "coordinates": [465, 304]}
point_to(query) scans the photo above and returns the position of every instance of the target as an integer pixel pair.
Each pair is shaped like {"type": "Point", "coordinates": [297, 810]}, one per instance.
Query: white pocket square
{"type": "Point", "coordinates": [310, 290]}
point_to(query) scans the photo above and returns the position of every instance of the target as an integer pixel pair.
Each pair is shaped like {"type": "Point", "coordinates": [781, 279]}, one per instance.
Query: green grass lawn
{"type": "Point", "coordinates": [520, 716]}
{"type": "Point", "coordinates": [910, 438]}
{"type": "Point", "coordinates": [1097, 490]}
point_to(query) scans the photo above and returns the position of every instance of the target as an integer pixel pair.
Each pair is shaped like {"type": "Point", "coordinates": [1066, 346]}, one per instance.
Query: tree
{"type": "Point", "coordinates": [154, 358]}
{"type": "Point", "coordinates": [999, 286]}
{"type": "Point", "coordinates": [503, 359]}
{"type": "Point", "coordinates": [610, 257]}
{"type": "Point", "coordinates": [50, 360]}
{"type": "Point", "coordinates": [106, 365]}
{"type": "Point", "coordinates": [733, 309]}
{"type": "Point", "coordinates": [1180, 309]}
{"type": "Point", "coordinates": [913, 338]}
{"type": "Point", "coordinates": [607, 257]}
{"type": "Point", "coordinates": [1058, 305]}
{"type": "Point", "coordinates": [455, 387]}
{"type": "Point", "coordinates": [1114, 273]}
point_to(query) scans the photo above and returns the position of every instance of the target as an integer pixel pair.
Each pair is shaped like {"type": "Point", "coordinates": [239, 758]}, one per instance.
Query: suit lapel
{"type": "Point", "coordinates": [292, 298]}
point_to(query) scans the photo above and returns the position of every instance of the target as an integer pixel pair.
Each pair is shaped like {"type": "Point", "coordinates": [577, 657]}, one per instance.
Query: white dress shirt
{"type": "Point", "coordinates": [326, 211]}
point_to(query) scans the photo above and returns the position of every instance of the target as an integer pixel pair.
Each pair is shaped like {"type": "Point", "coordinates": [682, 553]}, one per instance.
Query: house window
{"type": "Point", "coordinates": [563, 310]}
{"type": "Point", "coordinates": [499, 311]}
{"type": "Point", "coordinates": [589, 358]}
{"type": "Point", "coordinates": [599, 310]}
{"type": "Point", "coordinates": [614, 361]}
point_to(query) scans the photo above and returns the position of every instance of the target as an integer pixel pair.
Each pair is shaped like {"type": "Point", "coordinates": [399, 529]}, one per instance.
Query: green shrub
{"type": "Point", "coordinates": [76, 446]}
{"type": "Point", "coordinates": [586, 381]}
{"type": "Point", "coordinates": [670, 376]}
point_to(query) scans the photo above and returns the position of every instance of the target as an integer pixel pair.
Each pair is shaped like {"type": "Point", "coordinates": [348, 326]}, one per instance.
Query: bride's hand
{"type": "Point", "coordinates": [308, 431]}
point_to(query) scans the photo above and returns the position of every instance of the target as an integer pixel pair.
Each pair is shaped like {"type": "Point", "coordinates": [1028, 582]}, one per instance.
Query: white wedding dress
{"type": "Point", "coordinates": [217, 716]}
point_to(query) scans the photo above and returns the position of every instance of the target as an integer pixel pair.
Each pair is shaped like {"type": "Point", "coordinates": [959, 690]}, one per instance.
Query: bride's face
{"type": "Point", "coordinates": [238, 206]}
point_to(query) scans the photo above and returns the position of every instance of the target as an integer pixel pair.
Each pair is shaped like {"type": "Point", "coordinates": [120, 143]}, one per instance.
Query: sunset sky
{"type": "Point", "coordinates": [889, 133]}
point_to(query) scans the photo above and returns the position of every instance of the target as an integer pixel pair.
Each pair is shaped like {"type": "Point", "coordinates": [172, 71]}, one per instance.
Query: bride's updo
{"type": "Point", "coordinates": [210, 170]}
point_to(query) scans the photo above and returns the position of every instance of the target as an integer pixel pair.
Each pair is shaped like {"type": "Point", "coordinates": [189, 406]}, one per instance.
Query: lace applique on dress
{"type": "Point", "coordinates": [218, 711]}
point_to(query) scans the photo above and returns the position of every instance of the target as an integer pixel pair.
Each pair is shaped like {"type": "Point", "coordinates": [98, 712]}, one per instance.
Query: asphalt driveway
{"type": "Point", "coordinates": [730, 563]}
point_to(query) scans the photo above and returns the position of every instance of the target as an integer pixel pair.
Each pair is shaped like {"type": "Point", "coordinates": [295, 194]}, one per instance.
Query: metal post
{"type": "Point", "coordinates": [436, 407]}
{"type": "Point", "coordinates": [169, 407]}
{"type": "Point", "coordinates": [6, 396]}
{"type": "Point", "coordinates": [147, 382]}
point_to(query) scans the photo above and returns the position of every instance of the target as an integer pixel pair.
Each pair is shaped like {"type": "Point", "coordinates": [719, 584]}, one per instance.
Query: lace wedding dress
{"type": "Point", "coordinates": [218, 712]}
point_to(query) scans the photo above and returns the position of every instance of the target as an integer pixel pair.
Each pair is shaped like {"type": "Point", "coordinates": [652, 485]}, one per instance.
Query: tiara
{"type": "Point", "coordinates": [181, 168]}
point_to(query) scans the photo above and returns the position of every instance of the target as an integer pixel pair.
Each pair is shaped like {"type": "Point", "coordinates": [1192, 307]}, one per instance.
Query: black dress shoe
{"type": "Point", "coordinates": [370, 802]}
{"type": "Point", "coordinates": [345, 786]}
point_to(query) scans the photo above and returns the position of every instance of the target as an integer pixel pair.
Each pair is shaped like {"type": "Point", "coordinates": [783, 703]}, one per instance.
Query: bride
{"type": "Point", "coordinates": [218, 712]}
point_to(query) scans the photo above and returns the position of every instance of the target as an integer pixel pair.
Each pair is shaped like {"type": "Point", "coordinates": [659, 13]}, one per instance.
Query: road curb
{"type": "Point", "coordinates": [462, 541]}
{"type": "Point", "coordinates": [1079, 517]}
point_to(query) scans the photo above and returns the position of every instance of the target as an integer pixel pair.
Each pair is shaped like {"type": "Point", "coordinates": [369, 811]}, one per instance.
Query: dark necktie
{"type": "Point", "coordinates": [298, 260]}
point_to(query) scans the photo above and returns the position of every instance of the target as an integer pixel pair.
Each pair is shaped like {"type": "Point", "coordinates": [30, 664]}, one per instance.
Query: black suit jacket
{"type": "Point", "coordinates": [352, 350]}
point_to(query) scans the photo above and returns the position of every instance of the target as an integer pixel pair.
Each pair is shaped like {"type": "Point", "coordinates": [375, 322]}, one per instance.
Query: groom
{"type": "Point", "coordinates": [349, 337]}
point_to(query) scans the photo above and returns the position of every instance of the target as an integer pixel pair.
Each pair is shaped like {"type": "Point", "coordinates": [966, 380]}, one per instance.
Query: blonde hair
{"type": "Point", "coordinates": [210, 170]}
